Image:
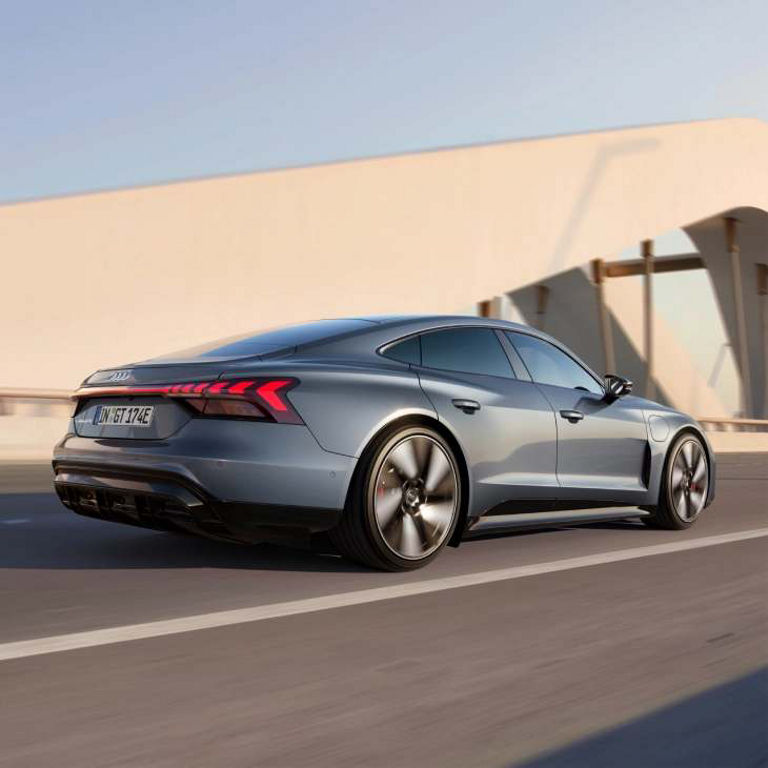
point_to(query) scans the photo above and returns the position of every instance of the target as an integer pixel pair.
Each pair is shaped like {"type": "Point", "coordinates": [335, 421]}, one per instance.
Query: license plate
{"type": "Point", "coordinates": [124, 415]}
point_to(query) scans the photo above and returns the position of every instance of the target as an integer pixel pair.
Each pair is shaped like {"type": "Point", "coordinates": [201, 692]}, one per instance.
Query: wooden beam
{"type": "Point", "coordinates": [734, 251]}
{"type": "Point", "coordinates": [762, 292]}
{"type": "Point", "coordinates": [762, 279]}
{"type": "Point", "coordinates": [542, 299]}
{"type": "Point", "coordinates": [603, 316]}
{"type": "Point", "coordinates": [648, 263]}
{"type": "Point", "coordinates": [632, 267]}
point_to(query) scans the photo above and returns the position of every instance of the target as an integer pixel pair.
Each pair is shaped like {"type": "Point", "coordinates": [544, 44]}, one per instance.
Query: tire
{"type": "Point", "coordinates": [684, 485]}
{"type": "Point", "coordinates": [404, 501]}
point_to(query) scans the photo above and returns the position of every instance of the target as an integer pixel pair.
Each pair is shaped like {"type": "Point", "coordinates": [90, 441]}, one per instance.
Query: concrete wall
{"type": "Point", "coordinates": [102, 279]}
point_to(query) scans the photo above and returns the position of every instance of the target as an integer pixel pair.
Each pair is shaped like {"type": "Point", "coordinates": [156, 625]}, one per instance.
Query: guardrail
{"type": "Point", "coordinates": [44, 401]}
{"type": "Point", "coordinates": [33, 395]}
{"type": "Point", "coordinates": [717, 424]}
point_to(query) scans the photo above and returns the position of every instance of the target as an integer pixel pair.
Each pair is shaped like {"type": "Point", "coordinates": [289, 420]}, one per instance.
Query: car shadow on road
{"type": "Point", "coordinates": [37, 532]}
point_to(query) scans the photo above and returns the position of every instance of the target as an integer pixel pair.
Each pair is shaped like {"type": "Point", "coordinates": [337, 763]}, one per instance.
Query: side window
{"type": "Point", "coordinates": [549, 365]}
{"type": "Point", "coordinates": [469, 350]}
{"type": "Point", "coordinates": [407, 351]}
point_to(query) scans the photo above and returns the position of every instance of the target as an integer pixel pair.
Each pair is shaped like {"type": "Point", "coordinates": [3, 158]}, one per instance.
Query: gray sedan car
{"type": "Point", "coordinates": [385, 439]}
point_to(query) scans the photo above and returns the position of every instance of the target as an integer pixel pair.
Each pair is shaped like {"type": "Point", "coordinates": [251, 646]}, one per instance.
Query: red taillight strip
{"type": "Point", "coordinates": [240, 387]}
{"type": "Point", "coordinates": [268, 394]}
{"type": "Point", "coordinates": [121, 391]}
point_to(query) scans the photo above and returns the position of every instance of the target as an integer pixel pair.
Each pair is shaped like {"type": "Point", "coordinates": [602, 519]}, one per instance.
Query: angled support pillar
{"type": "Point", "coordinates": [762, 292]}
{"type": "Point", "coordinates": [603, 316]}
{"type": "Point", "coordinates": [647, 251]}
{"type": "Point", "coordinates": [498, 307]}
{"type": "Point", "coordinates": [734, 252]}
{"type": "Point", "coordinates": [542, 299]}
{"type": "Point", "coordinates": [491, 308]}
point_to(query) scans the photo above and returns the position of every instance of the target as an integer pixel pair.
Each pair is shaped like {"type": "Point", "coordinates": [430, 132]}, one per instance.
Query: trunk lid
{"type": "Point", "coordinates": [177, 371]}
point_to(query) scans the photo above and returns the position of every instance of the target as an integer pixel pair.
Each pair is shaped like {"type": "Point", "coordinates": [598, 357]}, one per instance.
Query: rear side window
{"type": "Point", "coordinates": [550, 365]}
{"type": "Point", "coordinates": [466, 350]}
{"type": "Point", "coordinates": [407, 351]}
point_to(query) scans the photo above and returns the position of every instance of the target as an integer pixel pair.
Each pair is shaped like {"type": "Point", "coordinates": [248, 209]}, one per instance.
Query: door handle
{"type": "Point", "coordinates": [572, 416]}
{"type": "Point", "coordinates": [468, 406]}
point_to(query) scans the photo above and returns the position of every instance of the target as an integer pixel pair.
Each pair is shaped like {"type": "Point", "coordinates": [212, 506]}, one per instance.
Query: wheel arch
{"type": "Point", "coordinates": [420, 419]}
{"type": "Point", "coordinates": [696, 431]}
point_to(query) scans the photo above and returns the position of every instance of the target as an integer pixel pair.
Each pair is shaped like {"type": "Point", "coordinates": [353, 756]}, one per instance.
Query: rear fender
{"type": "Point", "coordinates": [345, 409]}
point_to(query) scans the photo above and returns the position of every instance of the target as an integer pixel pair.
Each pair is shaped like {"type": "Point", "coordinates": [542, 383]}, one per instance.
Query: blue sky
{"type": "Point", "coordinates": [99, 95]}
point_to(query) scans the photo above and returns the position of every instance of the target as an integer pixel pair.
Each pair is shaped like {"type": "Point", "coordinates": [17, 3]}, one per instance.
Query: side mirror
{"type": "Point", "coordinates": [616, 387]}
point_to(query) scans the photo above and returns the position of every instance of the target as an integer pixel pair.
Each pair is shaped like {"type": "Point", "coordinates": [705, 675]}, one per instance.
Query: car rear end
{"type": "Point", "coordinates": [189, 446]}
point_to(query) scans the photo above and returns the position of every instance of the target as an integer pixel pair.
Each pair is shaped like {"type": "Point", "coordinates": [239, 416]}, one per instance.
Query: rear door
{"type": "Point", "coordinates": [601, 446]}
{"type": "Point", "coordinates": [505, 426]}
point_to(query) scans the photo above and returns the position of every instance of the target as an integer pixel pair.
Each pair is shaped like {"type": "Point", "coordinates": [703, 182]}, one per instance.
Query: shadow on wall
{"type": "Point", "coordinates": [571, 316]}
{"type": "Point", "coordinates": [601, 163]}
{"type": "Point", "coordinates": [722, 726]}
{"type": "Point", "coordinates": [751, 236]}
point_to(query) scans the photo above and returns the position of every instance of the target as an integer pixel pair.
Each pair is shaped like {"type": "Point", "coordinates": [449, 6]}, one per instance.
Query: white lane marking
{"type": "Point", "coordinates": [92, 638]}
{"type": "Point", "coordinates": [14, 521]}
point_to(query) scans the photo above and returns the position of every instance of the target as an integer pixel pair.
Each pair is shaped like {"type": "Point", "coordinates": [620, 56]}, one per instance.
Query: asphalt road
{"type": "Point", "coordinates": [656, 660]}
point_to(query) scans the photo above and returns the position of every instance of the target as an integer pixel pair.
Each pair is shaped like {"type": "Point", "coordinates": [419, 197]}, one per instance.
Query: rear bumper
{"type": "Point", "coordinates": [241, 481]}
{"type": "Point", "coordinates": [167, 502]}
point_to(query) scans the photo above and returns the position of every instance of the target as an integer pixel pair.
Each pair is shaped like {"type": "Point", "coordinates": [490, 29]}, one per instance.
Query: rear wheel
{"type": "Point", "coordinates": [404, 503]}
{"type": "Point", "coordinates": [684, 486]}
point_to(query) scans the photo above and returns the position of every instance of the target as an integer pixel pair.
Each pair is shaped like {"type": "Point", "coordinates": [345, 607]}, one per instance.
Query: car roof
{"type": "Point", "coordinates": [402, 325]}
{"type": "Point", "coordinates": [387, 329]}
{"type": "Point", "coordinates": [437, 321]}
{"type": "Point", "coordinates": [361, 336]}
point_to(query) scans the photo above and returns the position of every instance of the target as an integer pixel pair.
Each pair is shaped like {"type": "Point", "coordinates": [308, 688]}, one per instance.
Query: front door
{"type": "Point", "coordinates": [505, 425]}
{"type": "Point", "coordinates": [602, 446]}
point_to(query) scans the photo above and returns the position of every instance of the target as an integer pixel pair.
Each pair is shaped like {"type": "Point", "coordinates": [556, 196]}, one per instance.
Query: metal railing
{"type": "Point", "coordinates": [34, 395]}
{"type": "Point", "coordinates": [717, 424]}
{"type": "Point", "coordinates": [45, 401]}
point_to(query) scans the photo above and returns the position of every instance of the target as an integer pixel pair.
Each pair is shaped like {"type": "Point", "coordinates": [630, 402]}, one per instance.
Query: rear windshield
{"type": "Point", "coordinates": [268, 341]}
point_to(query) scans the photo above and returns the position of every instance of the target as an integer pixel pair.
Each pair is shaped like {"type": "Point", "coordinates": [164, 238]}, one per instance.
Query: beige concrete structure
{"type": "Point", "coordinates": [107, 278]}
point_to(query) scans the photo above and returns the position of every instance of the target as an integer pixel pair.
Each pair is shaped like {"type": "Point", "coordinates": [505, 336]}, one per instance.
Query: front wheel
{"type": "Point", "coordinates": [404, 502]}
{"type": "Point", "coordinates": [685, 485]}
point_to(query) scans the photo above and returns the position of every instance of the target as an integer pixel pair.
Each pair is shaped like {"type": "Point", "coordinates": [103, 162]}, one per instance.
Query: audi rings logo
{"type": "Point", "coordinates": [119, 376]}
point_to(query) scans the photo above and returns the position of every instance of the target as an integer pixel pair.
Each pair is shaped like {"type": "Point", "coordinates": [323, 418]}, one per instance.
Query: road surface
{"type": "Point", "coordinates": [599, 645]}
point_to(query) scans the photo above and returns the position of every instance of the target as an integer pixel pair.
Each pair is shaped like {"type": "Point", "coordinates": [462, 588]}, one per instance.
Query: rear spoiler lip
{"type": "Point", "coordinates": [124, 390]}
{"type": "Point", "coordinates": [276, 353]}
{"type": "Point", "coordinates": [169, 389]}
